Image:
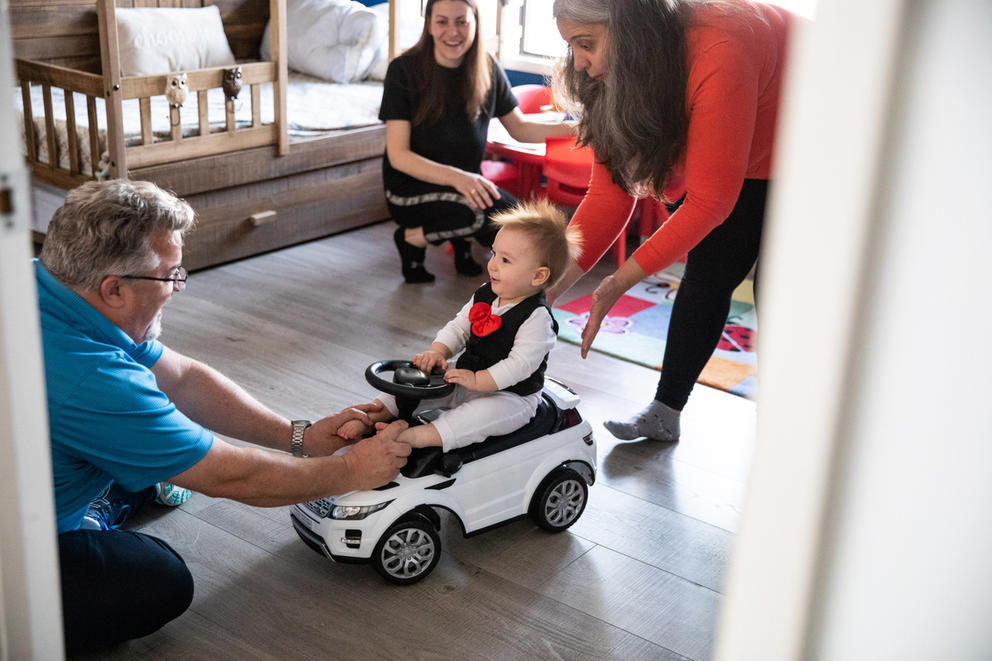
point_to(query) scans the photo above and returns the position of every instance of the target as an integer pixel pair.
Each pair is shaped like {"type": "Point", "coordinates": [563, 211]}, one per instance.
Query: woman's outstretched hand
{"type": "Point", "coordinates": [604, 298]}
{"type": "Point", "coordinates": [480, 192]}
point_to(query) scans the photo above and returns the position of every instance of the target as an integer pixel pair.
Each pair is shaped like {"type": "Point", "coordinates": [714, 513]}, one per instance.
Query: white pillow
{"type": "Point", "coordinates": [163, 40]}
{"type": "Point", "coordinates": [337, 40]}
{"type": "Point", "coordinates": [381, 63]}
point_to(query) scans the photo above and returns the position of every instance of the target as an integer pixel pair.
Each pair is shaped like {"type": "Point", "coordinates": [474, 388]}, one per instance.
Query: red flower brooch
{"type": "Point", "coordinates": [483, 320]}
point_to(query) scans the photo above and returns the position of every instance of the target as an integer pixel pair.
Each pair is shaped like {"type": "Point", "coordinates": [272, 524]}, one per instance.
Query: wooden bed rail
{"type": "Point", "coordinates": [132, 152]}
{"type": "Point", "coordinates": [72, 82]}
{"type": "Point", "coordinates": [205, 143]}
{"type": "Point", "coordinates": [118, 88]}
{"type": "Point", "coordinates": [247, 200]}
{"type": "Point", "coordinates": [143, 88]}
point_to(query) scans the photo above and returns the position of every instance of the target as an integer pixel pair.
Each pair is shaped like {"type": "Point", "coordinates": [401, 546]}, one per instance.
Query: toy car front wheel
{"type": "Point", "coordinates": [408, 551]}
{"type": "Point", "coordinates": [560, 500]}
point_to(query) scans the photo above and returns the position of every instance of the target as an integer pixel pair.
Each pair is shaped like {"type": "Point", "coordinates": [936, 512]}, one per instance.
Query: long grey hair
{"type": "Point", "coordinates": [635, 119]}
{"type": "Point", "coordinates": [107, 227]}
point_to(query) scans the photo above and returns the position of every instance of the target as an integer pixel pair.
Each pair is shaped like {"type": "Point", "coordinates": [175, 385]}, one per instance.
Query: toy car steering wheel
{"type": "Point", "coordinates": [409, 384]}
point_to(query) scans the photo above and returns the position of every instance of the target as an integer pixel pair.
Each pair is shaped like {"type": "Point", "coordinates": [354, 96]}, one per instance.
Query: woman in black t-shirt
{"type": "Point", "coordinates": [437, 100]}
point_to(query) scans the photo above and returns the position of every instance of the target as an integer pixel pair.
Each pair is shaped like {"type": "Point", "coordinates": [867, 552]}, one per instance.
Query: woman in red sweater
{"type": "Point", "coordinates": [667, 90]}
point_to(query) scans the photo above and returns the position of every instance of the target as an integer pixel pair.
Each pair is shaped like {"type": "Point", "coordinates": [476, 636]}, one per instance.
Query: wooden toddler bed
{"type": "Point", "coordinates": [253, 186]}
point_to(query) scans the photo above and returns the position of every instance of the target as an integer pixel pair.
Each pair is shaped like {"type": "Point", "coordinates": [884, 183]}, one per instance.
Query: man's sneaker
{"type": "Point", "coordinates": [170, 494]}
{"type": "Point", "coordinates": [104, 515]}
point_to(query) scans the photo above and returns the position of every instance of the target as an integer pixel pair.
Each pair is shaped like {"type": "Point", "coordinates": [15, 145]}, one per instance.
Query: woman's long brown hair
{"type": "Point", "coordinates": [428, 74]}
{"type": "Point", "coordinates": [635, 121]}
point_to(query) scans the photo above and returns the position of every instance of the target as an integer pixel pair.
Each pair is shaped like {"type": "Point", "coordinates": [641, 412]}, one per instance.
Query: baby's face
{"type": "Point", "coordinates": [514, 268]}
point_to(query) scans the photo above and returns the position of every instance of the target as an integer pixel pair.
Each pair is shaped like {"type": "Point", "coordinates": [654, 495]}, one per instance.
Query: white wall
{"type": "Point", "coordinates": [907, 572]}
{"type": "Point", "coordinates": [866, 532]}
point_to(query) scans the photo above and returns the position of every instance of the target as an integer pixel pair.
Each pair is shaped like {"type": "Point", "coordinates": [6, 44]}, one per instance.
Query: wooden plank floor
{"type": "Point", "coordinates": [637, 577]}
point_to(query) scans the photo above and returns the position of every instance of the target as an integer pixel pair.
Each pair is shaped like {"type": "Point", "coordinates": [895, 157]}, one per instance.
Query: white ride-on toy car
{"type": "Point", "coordinates": [542, 469]}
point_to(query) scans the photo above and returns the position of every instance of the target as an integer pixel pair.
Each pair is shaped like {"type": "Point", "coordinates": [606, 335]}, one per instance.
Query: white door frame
{"type": "Point", "coordinates": [830, 141]}
{"type": "Point", "coordinates": [865, 532]}
{"type": "Point", "coordinates": [30, 602]}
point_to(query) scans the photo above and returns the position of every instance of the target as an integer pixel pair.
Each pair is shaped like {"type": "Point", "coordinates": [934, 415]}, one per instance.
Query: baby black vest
{"type": "Point", "coordinates": [484, 352]}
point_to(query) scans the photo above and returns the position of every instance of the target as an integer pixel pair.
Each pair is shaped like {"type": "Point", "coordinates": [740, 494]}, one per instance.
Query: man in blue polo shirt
{"type": "Point", "coordinates": [127, 411]}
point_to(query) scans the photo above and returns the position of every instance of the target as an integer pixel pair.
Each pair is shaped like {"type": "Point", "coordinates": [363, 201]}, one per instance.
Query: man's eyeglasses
{"type": "Point", "coordinates": [178, 280]}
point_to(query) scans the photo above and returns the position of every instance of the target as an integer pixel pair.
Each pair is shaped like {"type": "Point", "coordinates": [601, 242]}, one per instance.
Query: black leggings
{"type": "Point", "coordinates": [447, 215]}
{"type": "Point", "coordinates": [713, 270]}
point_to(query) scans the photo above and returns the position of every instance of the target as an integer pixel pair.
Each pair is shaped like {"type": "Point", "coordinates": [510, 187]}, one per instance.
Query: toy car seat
{"type": "Point", "coordinates": [547, 419]}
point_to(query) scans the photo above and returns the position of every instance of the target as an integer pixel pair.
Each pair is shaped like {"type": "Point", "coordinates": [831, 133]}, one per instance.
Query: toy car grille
{"type": "Point", "coordinates": [319, 507]}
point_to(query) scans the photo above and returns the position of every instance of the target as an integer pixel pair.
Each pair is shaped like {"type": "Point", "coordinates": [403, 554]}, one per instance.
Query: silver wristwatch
{"type": "Point", "coordinates": [296, 445]}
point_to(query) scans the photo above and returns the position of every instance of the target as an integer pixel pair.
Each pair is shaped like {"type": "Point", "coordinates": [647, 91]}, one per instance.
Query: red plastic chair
{"type": "Point", "coordinates": [533, 98]}
{"type": "Point", "coordinates": [567, 170]}
{"type": "Point", "coordinates": [652, 214]}
{"type": "Point", "coordinates": [506, 175]}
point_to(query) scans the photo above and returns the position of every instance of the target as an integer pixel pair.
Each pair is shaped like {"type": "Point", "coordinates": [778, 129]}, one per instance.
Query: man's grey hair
{"type": "Point", "coordinates": [107, 227]}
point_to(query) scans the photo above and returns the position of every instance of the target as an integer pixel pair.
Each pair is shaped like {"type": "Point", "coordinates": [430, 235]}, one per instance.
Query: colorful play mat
{"type": "Point", "coordinates": [636, 327]}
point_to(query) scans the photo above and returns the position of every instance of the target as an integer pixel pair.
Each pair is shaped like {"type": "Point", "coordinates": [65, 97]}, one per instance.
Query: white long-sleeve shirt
{"type": "Point", "coordinates": [534, 339]}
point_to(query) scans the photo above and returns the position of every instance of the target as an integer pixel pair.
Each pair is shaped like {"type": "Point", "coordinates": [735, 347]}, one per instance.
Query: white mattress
{"type": "Point", "coordinates": [314, 106]}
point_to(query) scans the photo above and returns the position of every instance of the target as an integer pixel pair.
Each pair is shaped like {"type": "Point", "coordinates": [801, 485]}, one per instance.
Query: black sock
{"type": "Point", "coordinates": [464, 263]}
{"type": "Point", "coordinates": [411, 259]}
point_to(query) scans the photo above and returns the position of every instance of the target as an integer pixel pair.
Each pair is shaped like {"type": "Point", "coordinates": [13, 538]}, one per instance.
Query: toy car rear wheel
{"type": "Point", "coordinates": [560, 500]}
{"type": "Point", "coordinates": [407, 551]}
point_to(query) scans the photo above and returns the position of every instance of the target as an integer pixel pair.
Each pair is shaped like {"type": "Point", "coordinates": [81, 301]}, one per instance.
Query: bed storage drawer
{"type": "Point", "coordinates": [246, 220]}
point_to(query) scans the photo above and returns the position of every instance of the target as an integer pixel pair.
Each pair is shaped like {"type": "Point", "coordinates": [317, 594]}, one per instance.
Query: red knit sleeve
{"type": "Point", "coordinates": [601, 216]}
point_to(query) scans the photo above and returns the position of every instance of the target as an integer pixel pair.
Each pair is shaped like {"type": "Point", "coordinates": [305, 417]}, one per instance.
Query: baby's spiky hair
{"type": "Point", "coordinates": [557, 244]}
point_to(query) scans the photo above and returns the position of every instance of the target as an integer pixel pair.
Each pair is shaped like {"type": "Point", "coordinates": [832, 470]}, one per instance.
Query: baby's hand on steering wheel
{"type": "Point", "coordinates": [428, 360]}
{"type": "Point", "coordinates": [481, 192]}
{"type": "Point", "coordinates": [464, 378]}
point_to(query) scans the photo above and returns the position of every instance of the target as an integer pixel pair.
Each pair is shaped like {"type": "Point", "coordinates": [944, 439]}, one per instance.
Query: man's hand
{"type": "Point", "coordinates": [374, 461]}
{"type": "Point", "coordinates": [322, 438]}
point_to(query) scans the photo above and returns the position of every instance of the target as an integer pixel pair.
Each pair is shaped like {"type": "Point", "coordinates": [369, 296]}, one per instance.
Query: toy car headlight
{"type": "Point", "coordinates": [352, 512]}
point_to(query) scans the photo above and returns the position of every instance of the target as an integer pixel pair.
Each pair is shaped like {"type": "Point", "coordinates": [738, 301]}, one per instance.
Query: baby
{"type": "Point", "coordinates": [506, 331]}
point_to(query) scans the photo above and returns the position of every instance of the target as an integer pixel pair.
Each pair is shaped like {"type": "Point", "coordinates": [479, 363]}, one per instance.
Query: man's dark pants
{"type": "Point", "coordinates": [118, 585]}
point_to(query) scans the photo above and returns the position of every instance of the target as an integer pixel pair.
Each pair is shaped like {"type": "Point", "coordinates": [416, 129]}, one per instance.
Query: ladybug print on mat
{"type": "Point", "coordinates": [737, 338]}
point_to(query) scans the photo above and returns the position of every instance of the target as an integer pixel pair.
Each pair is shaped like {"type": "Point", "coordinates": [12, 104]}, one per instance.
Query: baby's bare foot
{"type": "Point", "coordinates": [353, 430]}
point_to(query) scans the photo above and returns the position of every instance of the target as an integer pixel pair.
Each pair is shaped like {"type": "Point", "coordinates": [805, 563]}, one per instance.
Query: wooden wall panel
{"type": "Point", "coordinates": [31, 20]}
{"type": "Point", "coordinates": [46, 30]}
{"type": "Point", "coordinates": [244, 23]}
{"type": "Point", "coordinates": [67, 29]}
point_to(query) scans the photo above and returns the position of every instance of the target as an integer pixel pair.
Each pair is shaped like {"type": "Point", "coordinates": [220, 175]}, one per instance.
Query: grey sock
{"type": "Point", "coordinates": [657, 422]}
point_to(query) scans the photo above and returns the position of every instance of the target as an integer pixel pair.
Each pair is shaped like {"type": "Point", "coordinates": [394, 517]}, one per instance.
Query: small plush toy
{"type": "Point", "coordinates": [231, 83]}
{"type": "Point", "coordinates": [176, 90]}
